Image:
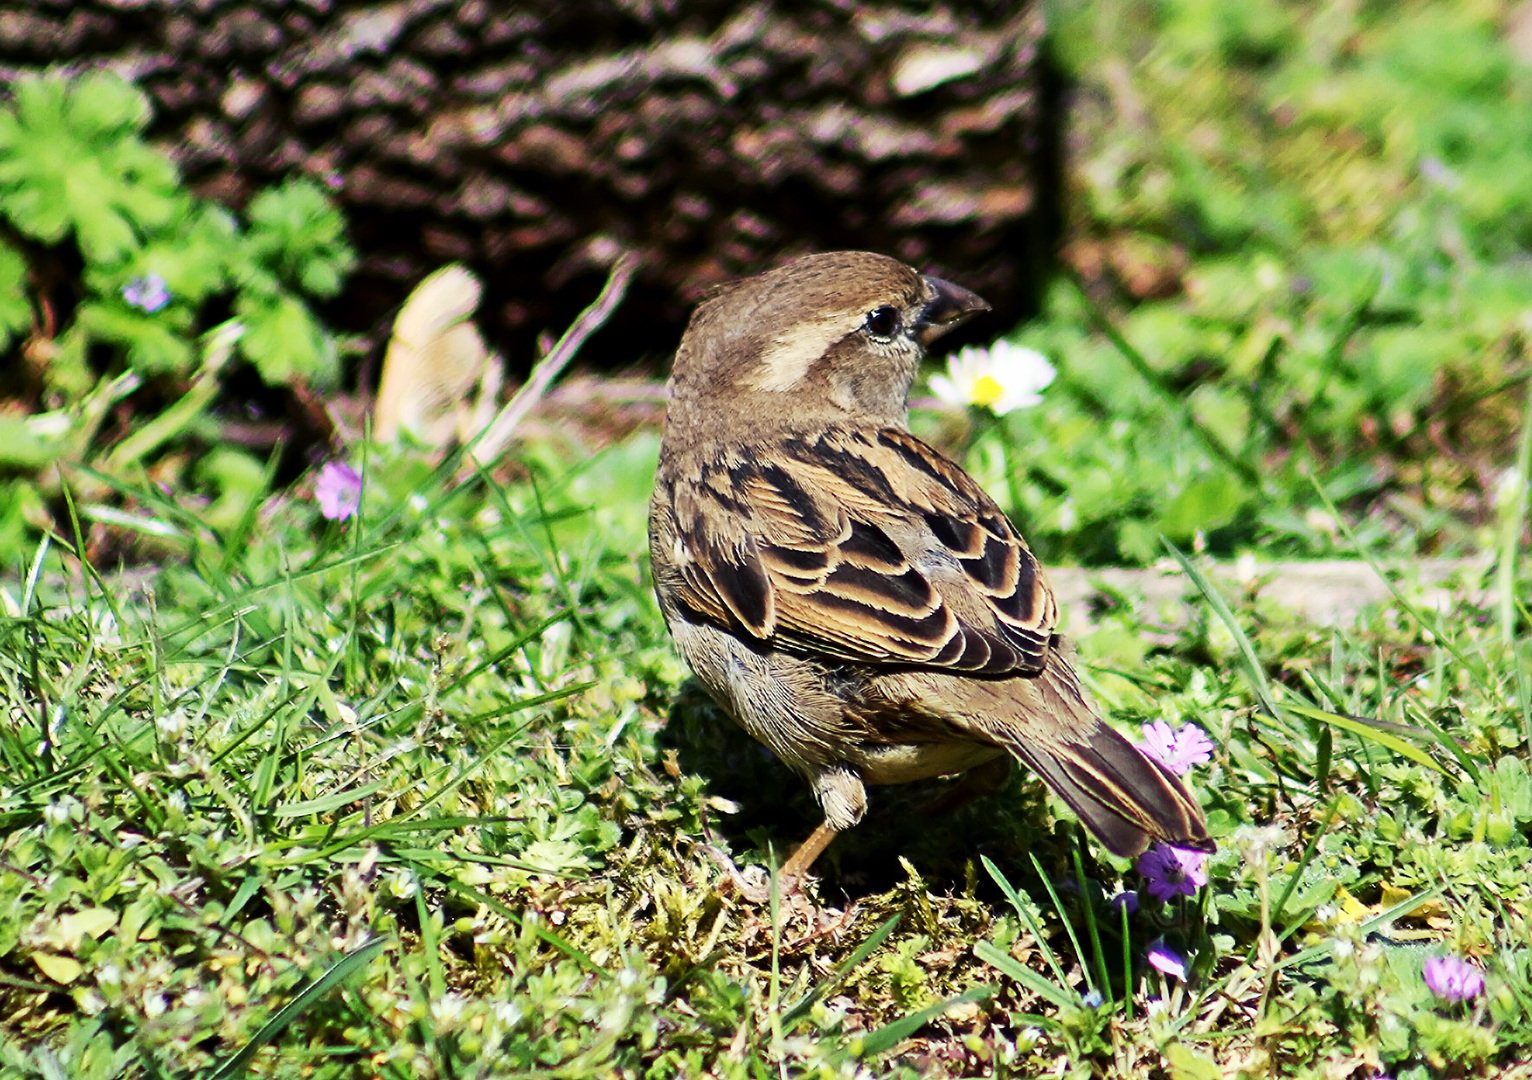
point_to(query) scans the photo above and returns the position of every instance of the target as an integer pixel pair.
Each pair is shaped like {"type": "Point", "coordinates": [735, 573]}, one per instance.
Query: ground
{"type": "Point", "coordinates": [426, 791]}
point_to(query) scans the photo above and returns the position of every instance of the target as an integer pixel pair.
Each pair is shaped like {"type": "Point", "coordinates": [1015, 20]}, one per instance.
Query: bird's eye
{"type": "Point", "coordinates": [883, 322]}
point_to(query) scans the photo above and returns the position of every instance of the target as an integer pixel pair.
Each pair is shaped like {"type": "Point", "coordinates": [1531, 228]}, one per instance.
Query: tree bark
{"type": "Point", "coordinates": [536, 141]}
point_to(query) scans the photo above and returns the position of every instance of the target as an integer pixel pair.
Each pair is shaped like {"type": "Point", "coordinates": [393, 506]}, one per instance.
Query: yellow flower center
{"type": "Point", "coordinates": [986, 391]}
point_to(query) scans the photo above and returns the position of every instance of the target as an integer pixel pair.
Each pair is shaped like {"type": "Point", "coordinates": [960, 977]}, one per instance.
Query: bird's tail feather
{"type": "Point", "coordinates": [1124, 797]}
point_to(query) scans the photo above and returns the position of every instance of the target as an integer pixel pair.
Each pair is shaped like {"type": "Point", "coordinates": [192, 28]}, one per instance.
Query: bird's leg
{"type": "Point", "coordinates": [799, 861]}
{"type": "Point", "coordinates": [843, 797]}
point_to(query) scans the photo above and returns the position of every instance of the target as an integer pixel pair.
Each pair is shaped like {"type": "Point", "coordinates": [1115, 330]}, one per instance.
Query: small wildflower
{"type": "Point", "coordinates": [1124, 901]}
{"type": "Point", "coordinates": [447, 1011]}
{"type": "Point", "coordinates": [1453, 979]}
{"type": "Point", "coordinates": [1092, 1000]}
{"type": "Point", "coordinates": [1178, 749]}
{"type": "Point", "coordinates": [1165, 959]}
{"type": "Point", "coordinates": [148, 293]}
{"type": "Point", "coordinates": [1171, 871]}
{"type": "Point", "coordinates": [1001, 378]}
{"type": "Point", "coordinates": [173, 724]}
{"type": "Point", "coordinates": [339, 490]}
{"type": "Point", "coordinates": [60, 811]}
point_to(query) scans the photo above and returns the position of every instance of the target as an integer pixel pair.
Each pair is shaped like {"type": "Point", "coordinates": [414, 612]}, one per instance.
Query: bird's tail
{"type": "Point", "coordinates": [1125, 798]}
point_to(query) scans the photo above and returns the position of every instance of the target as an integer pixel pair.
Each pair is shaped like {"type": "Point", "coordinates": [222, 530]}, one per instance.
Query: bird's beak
{"type": "Point", "coordinates": [949, 305]}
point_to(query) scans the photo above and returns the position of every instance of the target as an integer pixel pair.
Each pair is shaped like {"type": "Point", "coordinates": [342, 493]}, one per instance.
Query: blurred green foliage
{"type": "Point", "coordinates": [111, 271]}
{"type": "Point", "coordinates": [1310, 226]}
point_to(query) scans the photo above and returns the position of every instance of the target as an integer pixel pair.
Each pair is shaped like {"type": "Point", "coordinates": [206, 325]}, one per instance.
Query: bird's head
{"type": "Point", "coordinates": [835, 334]}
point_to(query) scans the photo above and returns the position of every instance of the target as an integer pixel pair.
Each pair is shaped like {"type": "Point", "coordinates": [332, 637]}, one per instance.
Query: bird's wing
{"type": "Point", "coordinates": [863, 545]}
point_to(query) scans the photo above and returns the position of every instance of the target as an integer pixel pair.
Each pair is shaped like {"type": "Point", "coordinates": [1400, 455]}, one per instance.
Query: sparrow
{"type": "Point", "coordinates": [847, 594]}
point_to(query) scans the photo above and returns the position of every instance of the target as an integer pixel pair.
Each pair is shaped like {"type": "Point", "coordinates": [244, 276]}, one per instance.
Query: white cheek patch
{"type": "Point", "coordinates": [787, 359]}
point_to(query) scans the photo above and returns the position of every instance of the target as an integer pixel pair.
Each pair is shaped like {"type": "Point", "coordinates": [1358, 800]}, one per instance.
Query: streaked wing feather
{"type": "Point", "coordinates": [867, 546]}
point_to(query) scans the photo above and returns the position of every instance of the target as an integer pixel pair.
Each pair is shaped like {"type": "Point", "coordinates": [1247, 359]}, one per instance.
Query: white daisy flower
{"type": "Point", "coordinates": [1001, 378]}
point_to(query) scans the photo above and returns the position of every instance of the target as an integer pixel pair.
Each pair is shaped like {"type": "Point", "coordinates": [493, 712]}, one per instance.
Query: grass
{"type": "Point", "coordinates": [427, 792]}
{"type": "Point", "coordinates": [424, 794]}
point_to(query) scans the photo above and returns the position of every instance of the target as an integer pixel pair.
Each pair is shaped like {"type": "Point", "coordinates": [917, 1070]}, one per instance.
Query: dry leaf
{"type": "Point", "coordinates": [61, 969]}
{"type": "Point", "coordinates": [436, 358]}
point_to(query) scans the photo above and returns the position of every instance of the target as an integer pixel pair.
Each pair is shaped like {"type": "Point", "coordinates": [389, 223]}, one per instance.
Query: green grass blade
{"type": "Point", "coordinates": [1024, 910]}
{"type": "Point", "coordinates": [1069, 929]}
{"type": "Point", "coordinates": [339, 972]}
{"type": "Point", "coordinates": [891, 1034]}
{"type": "Point", "coordinates": [1368, 730]}
{"type": "Point", "coordinates": [842, 970]}
{"type": "Point", "coordinates": [1424, 618]}
{"type": "Point", "coordinates": [1098, 953]}
{"type": "Point", "coordinates": [1253, 669]}
{"type": "Point", "coordinates": [1513, 520]}
{"type": "Point", "coordinates": [1315, 952]}
{"type": "Point", "coordinates": [1009, 966]}
{"type": "Point", "coordinates": [325, 803]}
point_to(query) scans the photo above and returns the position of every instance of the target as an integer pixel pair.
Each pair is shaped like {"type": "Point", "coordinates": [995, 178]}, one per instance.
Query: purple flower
{"type": "Point", "coordinates": [1178, 749]}
{"type": "Point", "coordinates": [1453, 979]}
{"type": "Point", "coordinates": [147, 293]}
{"type": "Point", "coordinates": [1124, 901]}
{"type": "Point", "coordinates": [1163, 958]}
{"type": "Point", "coordinates": [1171, 871]}
{"type": "Point", "coordinates": [338, 490]}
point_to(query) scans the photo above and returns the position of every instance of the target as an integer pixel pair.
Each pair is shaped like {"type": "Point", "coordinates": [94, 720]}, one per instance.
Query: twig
{"type": "Point", "coordinates": [493, 439]}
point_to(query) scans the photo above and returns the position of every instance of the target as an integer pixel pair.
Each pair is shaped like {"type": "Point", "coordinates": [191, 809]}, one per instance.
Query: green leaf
{"type": "Point", "coordinates": [296, 233]}
{"type": "Point", "coordinates": [285, 343]}
{"type": "Point", "coordinates": [1209, 502]}
{"type": "Point", "coordinates": [105, 234]}
{"type": "Point", "coordinates": [1187, 1064]}
{"type": "Point", "coordinates": [103, 103]}
{"type": "Point", "coordinates": [15, 307]}
{"type": "Point", "coordinates": [193, 255]}
{"type": "Point", "coordinates": [28, 445]}
{"type": "Point", "coordinates": [155, 343]}
{"type": "Point", "coordinates": [72, 160]}
{"type": "Point", "coordinates": [61, 969]}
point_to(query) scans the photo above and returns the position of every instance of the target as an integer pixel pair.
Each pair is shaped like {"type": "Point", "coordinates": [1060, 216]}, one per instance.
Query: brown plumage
{"type": "Point", "coordinates": [851, 597]}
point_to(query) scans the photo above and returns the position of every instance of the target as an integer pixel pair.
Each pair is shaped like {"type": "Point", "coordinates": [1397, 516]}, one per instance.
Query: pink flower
{"type": "Point", "coordinates": [1171, 871]}
{"type": "Point", "coordinates": [1163, 958]}
{"type": "Point", "coordinates": [1453, 979]}
{"type": "Point", "coordinates": [148, 293]}
{"type": "Point", "coordinates": [338, 490]}
{"type": "Point", "coordinates": [1178, 749]}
